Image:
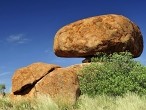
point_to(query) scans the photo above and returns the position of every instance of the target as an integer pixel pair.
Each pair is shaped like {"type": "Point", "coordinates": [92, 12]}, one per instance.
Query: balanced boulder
{"type": "Point", "coordinates": [105, 33]}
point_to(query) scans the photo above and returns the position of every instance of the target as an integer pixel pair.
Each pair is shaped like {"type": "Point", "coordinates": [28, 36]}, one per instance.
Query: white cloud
{"type": "Point", "coordinates": [4, 73]}
{"type": "Point", "coordinates": [18, 39]}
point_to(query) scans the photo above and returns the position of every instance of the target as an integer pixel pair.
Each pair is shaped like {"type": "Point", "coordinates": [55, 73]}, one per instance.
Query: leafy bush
{"type": "Point", "coordinates": [114, 75]}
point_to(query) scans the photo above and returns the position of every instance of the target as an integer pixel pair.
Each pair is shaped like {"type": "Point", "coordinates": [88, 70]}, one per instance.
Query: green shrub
{"type": "Point", "coordinates": [113, 75]}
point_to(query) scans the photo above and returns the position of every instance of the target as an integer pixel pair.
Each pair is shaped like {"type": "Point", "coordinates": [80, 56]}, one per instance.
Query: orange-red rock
{"type": "Point", "coordinates": [106, 33]}
{"type": "Point", "coordinates": [26, 77]}
{"type": "Point", "coordinates": [60, 84]}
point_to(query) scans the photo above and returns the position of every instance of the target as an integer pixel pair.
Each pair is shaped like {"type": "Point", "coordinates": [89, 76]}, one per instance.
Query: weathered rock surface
{"type": "Point", "coordinates": [58, 83]}
{"type": "Point", "coordinates": [106, 33]}
{"type": "Point", "coordinates": [26, 77]}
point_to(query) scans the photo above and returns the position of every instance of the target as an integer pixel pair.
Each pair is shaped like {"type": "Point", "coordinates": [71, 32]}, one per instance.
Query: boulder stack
{"type": "Point", "coordinates": [84, 38]}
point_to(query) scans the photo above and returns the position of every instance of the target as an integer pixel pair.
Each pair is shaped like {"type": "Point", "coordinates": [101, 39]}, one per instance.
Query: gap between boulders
{"type": "Point", "coordinates": [27, 88]}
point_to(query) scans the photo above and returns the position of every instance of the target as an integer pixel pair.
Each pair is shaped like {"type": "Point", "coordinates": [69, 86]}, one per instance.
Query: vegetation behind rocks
{"type": "Point", "coordinates": [115, 82]}
{"type": "Point", "coordinates": [113, 75]}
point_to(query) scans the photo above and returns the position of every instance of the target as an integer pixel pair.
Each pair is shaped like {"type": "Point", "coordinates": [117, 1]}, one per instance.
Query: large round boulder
{"type": "Point", "coordinates": [105, 33]}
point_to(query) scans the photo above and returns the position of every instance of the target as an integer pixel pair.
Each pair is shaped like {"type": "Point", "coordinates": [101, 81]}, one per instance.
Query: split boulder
{"type": "Point", "coordinates": [48, 79]}
{"type": "Point", "coordinates": [27, 77]}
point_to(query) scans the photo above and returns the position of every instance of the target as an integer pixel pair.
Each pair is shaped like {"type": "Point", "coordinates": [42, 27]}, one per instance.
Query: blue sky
{"type": "Point", "coordinates": [28, 27]}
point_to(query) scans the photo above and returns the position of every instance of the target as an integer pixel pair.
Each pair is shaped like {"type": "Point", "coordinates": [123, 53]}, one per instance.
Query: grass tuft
{"type": "Point", "coordinates": [129, 101]}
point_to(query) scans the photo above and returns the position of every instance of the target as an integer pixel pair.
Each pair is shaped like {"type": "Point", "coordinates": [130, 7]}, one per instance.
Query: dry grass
{"type": "Point", "coordinates": [128, 102]}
